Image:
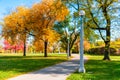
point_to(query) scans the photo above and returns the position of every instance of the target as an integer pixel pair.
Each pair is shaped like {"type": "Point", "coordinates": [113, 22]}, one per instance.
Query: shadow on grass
{"type": "Point", "coordinates": [99, 70]}
{"type": "Point", "coordinates": [60, 69]}
{"type": "Point", "coordinates": [14, 65]}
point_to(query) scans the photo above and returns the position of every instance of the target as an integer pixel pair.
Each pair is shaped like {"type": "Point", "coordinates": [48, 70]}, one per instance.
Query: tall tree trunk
{"type": "Point", "coordinates": [69, 51]}
{"type": "Point", "coordinates": [108, 36]}
{"type": "Point", "coordinates": [107, 44]}
{"type": "Point", "coordinates": [71, 43]}
{"type": "Point", "coordinates": [45, 48]}
{"type": "Point", "coordinates": [107, 51]}
{"type": "Point", "coordinates": [68, 48]}
{"type": "Point", "coordinates": [24, 49]}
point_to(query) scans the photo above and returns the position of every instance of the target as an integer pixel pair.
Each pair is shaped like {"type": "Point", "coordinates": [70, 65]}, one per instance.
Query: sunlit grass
{"type": "Point", "coordinates": [16, 64]}
{"type": "Point", "coordinates": [97, 69]}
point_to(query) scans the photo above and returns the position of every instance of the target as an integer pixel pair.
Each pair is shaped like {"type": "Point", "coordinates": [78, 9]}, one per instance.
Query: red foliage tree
{"type": "Point", "coordinates": [13, 47]}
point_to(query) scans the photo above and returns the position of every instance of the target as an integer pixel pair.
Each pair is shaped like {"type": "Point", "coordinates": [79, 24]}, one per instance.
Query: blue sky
{"type": "Point", "coordinates": [7, 5]}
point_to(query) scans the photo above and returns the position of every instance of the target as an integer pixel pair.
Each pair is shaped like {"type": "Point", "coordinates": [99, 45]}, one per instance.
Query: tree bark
{"type": "Point", "coordinates": [24, 49]}
{"type": "Point", "coordinates": [108, 36]}
{"type": "Point", "coordinates": [107, 51]}
{"type": "Point", "coordinates": [69, 52]}
{"type": "Point", "coordinates": [45, 48]}
{"type": "Point", "coordinates": [71, 43]}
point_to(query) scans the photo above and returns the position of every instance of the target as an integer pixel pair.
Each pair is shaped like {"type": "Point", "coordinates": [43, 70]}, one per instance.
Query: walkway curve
{"type": "Point", "coordinates": [56, 72]}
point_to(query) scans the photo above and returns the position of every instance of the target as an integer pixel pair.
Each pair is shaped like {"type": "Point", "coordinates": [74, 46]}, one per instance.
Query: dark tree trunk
{"type": "Point", "coordinates": [24, 49]}
{"type": "Point", "coordinates": [45, 48]}
{"type": "Point", "coordinates": [68, 49]}
{"type": "Point", "coordinates": [108, 36]}
{"type": "Point", "coordinates": [71, 43]}
{"type": "Point", "coordinates": [15, 49]}
{"type": "Point", "coordinates": [107, 51]}
{"type": "Point", "coordinates": [70, 52]}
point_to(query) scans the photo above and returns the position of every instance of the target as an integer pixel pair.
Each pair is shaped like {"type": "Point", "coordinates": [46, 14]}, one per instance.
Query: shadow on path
{"type": "Point", "coordinates": [57, 72]}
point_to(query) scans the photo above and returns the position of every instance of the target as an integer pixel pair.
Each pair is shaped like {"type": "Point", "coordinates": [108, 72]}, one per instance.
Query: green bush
{"type": "Point", "coordinates": [101, 51]}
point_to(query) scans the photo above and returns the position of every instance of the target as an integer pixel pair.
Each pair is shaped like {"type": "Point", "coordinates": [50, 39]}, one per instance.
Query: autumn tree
{"type": "Point", "coordinates": [46, 13]}
{"type": "Point", "coordinates": [52, 37]}
{"type": "Point", "coordinates": [16, 26]}
{"type": "Point", "coordinates": [39, 45]}
{"type": "Point", "coordinates": [12, 47]}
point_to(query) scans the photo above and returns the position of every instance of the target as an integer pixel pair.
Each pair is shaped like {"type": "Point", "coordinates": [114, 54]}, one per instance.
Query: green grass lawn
{"type": "Point", "coordinates": [97, 69]}
{"type": "Point", "coordinates": [15, 64]}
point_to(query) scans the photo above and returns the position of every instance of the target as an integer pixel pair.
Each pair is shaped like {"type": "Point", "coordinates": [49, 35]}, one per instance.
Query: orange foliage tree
{"type": "Point", "coordinates": [47, 12]}
{"type": "Point", "coordinates": [87, 45]}
{"type": "Point", "coordinates": [39, 45]}
{"type": "Point", "coordinates": [16, 26]}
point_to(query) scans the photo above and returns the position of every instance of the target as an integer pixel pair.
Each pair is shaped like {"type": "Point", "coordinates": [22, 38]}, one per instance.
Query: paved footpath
{"type": "Point", "coordinates": [57, 72]}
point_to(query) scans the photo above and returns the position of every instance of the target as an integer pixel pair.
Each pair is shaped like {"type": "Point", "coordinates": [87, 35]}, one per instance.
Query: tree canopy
{"type": "Point", "coordinates": [99, 16]}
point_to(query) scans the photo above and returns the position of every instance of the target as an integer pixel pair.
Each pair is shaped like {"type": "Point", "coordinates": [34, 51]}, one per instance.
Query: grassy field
{"type": "Point", "coordinates": [97, 69]}
{"type": "Point", "coordinates": [15, 64]}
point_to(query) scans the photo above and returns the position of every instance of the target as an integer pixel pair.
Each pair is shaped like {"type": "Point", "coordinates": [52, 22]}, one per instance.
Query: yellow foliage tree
{"type": "Point", "coordinates": [39, 45]}
{"type": "Point", "coordinates": [16, 26]}
{"type": "Point", "coordinates": [47, 12]}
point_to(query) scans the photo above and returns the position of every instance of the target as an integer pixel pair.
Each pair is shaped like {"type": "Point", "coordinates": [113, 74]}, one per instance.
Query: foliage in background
{"type": "Point", "coordinates": [101, 51]}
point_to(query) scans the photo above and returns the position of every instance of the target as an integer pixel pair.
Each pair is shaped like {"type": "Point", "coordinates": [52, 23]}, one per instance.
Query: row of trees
{"type": "Point", "coordinates": [37, 21]}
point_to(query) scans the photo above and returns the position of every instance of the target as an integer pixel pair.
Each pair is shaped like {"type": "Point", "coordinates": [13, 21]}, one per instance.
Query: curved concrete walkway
{"type": "Point", "coordinates": [57, 72]}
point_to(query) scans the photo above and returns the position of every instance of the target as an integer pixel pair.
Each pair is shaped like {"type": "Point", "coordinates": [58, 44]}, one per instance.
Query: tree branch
{"type": "Point", "coordinates": [98, 28]}
{"type": "Point", "coordinates": [94, 20]}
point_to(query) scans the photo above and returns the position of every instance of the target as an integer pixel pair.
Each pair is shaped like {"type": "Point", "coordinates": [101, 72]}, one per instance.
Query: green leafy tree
{"type": "Point", "coordinates": [68, 33]}
{"type": "Point", "coordinates": [98, 17]}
